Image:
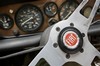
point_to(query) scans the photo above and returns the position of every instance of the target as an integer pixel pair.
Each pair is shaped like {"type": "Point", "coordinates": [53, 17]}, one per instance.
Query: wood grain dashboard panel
{"type": "Point", "coordinates": [14, 7]}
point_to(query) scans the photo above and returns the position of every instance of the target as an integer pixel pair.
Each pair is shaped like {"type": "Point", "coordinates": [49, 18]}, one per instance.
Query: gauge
{"type": "Point", "coordinates": [50, 9]}
{"type": "Point", "coordinates": [6, 22]}
{"type": "Point", "coordinates": [66, 9]}
{"type": "Point", "coordinates": [29, 18]}
{"type": "Point", "coordinates": [87, 11]}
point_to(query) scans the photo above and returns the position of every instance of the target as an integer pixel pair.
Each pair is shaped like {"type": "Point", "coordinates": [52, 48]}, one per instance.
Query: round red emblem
{"type": "Point", "coordinates": [71, 39]}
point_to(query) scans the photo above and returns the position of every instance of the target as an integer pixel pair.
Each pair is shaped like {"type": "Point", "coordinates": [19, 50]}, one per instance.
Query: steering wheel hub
{"type": "Point", "coordinates": [70, 40]}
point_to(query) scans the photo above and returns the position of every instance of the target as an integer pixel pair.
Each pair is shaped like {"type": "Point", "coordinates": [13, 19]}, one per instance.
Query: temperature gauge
{"type": "Point", "coordinates": [6, 22]}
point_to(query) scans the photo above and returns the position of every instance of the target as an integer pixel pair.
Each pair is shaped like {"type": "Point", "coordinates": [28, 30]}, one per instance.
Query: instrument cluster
{"type": "Point", "coordinates": [36, 16]}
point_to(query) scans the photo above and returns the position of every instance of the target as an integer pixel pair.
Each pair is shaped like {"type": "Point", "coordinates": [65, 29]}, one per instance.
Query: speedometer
{"type": "Point", "coordinates": [29, 18]}
{"type": "Point", "coordinates": [66, 9]}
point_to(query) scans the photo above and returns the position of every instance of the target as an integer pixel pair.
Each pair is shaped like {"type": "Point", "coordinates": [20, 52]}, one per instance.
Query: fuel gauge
{"type": "Point", "coordinates": [6, 22]}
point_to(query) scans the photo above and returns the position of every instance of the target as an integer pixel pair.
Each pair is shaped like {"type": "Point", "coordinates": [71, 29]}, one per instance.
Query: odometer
{"type": "Point", "coordinates": [29, 18]}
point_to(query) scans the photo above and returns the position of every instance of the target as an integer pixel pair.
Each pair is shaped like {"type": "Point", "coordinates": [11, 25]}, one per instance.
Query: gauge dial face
{"type": "Point", "coordinates": [50, 9]}
{"type": "Point", "coordinates": [87, 11]}
{"type": "Point", "coordinates": [6, 22]}
{"type": "Point", "coordinates": [29, 18]}
{"type": "Point", "coordinates": [66, 9]}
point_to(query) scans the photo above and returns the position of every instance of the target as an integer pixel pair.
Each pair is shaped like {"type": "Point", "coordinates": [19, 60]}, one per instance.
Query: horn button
{"type": "Point", "coordinates": [70, 40]}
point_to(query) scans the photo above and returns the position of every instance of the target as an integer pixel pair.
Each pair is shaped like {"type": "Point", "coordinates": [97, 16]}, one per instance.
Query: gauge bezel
{"type": "Point", "coordinates": [44, 8]}
{"type": "Point", "coordinates": [12, 21]}
{"type": "Point", "coordinates": [24, 7]}
{"type": "Point", "coordinates": [59, 10]}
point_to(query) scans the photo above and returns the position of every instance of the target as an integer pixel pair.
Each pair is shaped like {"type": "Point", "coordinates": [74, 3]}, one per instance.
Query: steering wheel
{"type": "Point", "coordinates": [67, 41]}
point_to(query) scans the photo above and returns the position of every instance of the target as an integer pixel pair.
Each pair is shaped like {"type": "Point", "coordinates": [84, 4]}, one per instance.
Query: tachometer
{"type": "Point", "coordinates": [66, 9]}
{"type": "Point", "coordinates": [50, 9]}
{"type": "Point", "coordinates": [6, 22]}
{"type": "Point", "coordinates": [29, 18]}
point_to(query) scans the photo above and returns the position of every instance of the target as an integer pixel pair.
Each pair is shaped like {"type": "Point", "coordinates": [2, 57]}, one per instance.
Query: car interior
{"type": "Point", "coordinates": [22, 23]}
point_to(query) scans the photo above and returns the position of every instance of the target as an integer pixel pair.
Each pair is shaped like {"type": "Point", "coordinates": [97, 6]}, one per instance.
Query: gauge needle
{"type": "Point", "coordinates": [26, 21]}
{"type": "Point", "coordinates": [2, 21]}
{"type": "Point", "coordinates": [5, 19]}
{"type": "Point", "coordinates": [67, 15]}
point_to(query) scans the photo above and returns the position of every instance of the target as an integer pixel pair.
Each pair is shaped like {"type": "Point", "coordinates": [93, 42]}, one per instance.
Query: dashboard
{"type": "Point", "coordinates": [21, 21]}
{"type": "Point", "coordinates": [35, 16]}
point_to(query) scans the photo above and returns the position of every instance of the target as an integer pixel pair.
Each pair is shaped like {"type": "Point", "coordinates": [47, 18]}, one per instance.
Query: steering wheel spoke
{"type": "Point", "coordinates": [67, 39]}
